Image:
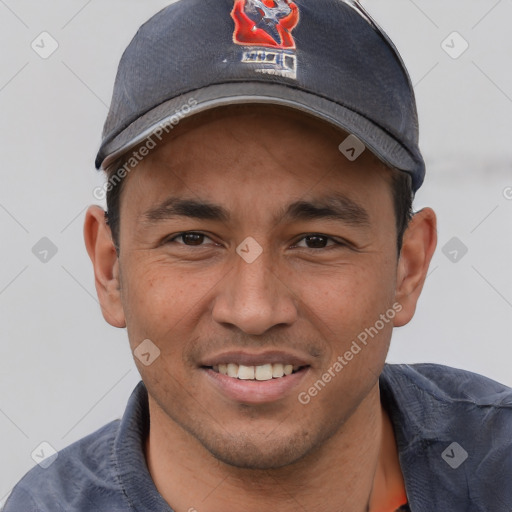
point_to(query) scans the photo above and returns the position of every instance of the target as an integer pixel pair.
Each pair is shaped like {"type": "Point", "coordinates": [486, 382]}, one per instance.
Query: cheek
{"type": "Point", "coordinates": [348, 296]}
{"type": "Point", "coordinates": [352, 310]}
{"type": "Point", "coordinates": [161, 301]}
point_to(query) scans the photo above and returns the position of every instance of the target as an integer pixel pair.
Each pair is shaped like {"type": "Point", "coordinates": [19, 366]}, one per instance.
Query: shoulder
{"type": "Point", "coordinates": [81, 474]}
{"type": "Point", "coordinates": [431, 398]}
{"type": "Point", "coordinates": [454, 434]}
{"type": "Point", "coordinates": [450, 385]}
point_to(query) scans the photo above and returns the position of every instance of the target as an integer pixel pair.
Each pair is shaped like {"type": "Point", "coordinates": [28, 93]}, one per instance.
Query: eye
{"type": "Point", "coordinates": [189, 238]}
{"type": "Point", "coordinates": [312, 241]}
{"type": "Point", "coordinates": [317, 241]}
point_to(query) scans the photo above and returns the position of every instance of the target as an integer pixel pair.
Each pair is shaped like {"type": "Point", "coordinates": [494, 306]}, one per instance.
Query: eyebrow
{"type": "Point", "coordinates": [335, 207]}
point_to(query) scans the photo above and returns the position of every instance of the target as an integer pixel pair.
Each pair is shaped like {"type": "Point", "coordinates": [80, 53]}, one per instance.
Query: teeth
{"type": "Point", "coordinates": [232, 370]}
{"type": "Point", "coordinates": [246, 372]}
{"type": "Point", "coordinates": [262, 372]}
{"type": "Point", "coordinates": [277, 370]}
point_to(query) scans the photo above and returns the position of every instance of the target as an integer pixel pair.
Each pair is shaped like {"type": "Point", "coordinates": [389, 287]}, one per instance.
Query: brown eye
{"type": "Point", "coordinates": [191, 239]}
{"type": "Point", "coordinates": [316, 241]}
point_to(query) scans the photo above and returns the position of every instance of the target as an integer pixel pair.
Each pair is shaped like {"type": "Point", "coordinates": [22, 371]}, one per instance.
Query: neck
{"type": "Point", "coordinates": [348, 472]}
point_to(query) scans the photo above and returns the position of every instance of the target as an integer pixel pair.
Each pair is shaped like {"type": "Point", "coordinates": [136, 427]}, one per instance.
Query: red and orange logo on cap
{"type": "Point", "coordinates": [265, 23]}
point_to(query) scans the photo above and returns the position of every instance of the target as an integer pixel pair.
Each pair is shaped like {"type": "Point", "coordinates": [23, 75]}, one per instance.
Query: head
{"type": "Point", "coordinates": [247, 241]}
{"type": "Point", "coordinates": [290, 256]}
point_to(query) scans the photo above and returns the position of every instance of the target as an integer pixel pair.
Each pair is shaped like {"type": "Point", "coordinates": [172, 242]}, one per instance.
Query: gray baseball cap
{"type": "Point", "coordinates": [327, 58]}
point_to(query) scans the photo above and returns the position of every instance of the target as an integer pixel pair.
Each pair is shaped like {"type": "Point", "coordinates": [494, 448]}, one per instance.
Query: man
{"type": "Point", "coordinates": [259, 248]}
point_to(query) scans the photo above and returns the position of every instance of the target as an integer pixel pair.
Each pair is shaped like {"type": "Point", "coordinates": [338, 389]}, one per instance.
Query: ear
{"type": "Point", "coordinates": [420, 240]}
{"type": "Point", "coordinates": [101, 250]}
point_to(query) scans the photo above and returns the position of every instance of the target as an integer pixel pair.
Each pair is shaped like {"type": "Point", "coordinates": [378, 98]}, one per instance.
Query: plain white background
{"type": "Point", "coordinates": [63, 371]}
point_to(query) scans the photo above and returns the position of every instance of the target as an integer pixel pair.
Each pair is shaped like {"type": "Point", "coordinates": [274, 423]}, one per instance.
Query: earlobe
{"type": "Point", "coordinates": [101, 250]}
{"type": "Point", "coordinates": [420, 240]}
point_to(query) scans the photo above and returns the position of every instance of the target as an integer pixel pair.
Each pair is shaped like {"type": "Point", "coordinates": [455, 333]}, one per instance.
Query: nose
{"type": "Point", "coordinates": [254, 297]}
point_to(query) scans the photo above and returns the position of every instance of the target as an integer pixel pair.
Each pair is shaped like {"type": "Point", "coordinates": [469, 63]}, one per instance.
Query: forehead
{"type": "Point", "coordinates": [263, 127]}
{"type": "Point", "coordinates": [255, 149]}
{"type": "Point", "coordinates": [265, 121]}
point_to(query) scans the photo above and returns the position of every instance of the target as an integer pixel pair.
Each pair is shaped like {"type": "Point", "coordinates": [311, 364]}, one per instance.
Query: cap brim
{"type": "Point", "coordinates": [377, 140]}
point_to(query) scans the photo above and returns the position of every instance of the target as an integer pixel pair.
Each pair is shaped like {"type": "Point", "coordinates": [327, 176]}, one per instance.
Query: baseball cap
{"type": "Point", "coordinates": [327, 58]}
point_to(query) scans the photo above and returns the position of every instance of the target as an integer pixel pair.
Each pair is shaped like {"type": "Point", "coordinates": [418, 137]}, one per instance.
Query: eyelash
{"type": "Point", "coordinates": [319, 235]}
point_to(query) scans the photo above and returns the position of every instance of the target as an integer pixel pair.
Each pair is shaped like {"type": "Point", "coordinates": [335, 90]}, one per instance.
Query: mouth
{"type": "Point", "coordinates": [255, 378]}
{"type": "Point", "coordinates": [263, 372]}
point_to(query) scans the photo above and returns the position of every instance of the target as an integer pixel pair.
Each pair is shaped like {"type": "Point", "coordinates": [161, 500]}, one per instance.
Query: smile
{"type": "Point", "coordinates": [246, 377]}
{"type": "Point", "coordinates": [260, 373]}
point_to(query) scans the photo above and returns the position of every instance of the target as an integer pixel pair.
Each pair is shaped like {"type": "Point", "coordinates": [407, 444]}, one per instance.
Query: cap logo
{"type": "Point", "coordinates": [266, 27]}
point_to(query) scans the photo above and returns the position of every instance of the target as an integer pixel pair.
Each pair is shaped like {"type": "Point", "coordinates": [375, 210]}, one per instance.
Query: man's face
{"type": "Point", "coordinates": [319, 282]}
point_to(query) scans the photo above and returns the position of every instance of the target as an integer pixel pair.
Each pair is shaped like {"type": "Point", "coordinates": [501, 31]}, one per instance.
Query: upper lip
{"type": "Point", "coordinates": [254, 359]}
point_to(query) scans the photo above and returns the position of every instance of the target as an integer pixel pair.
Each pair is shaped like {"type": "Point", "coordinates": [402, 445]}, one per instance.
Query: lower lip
{"type": "Point", "coordinates": [254, 391]}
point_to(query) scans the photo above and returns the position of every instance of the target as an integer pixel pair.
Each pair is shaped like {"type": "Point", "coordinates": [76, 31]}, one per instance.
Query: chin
{"type": "Point", "coordinates": [257, 452]}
